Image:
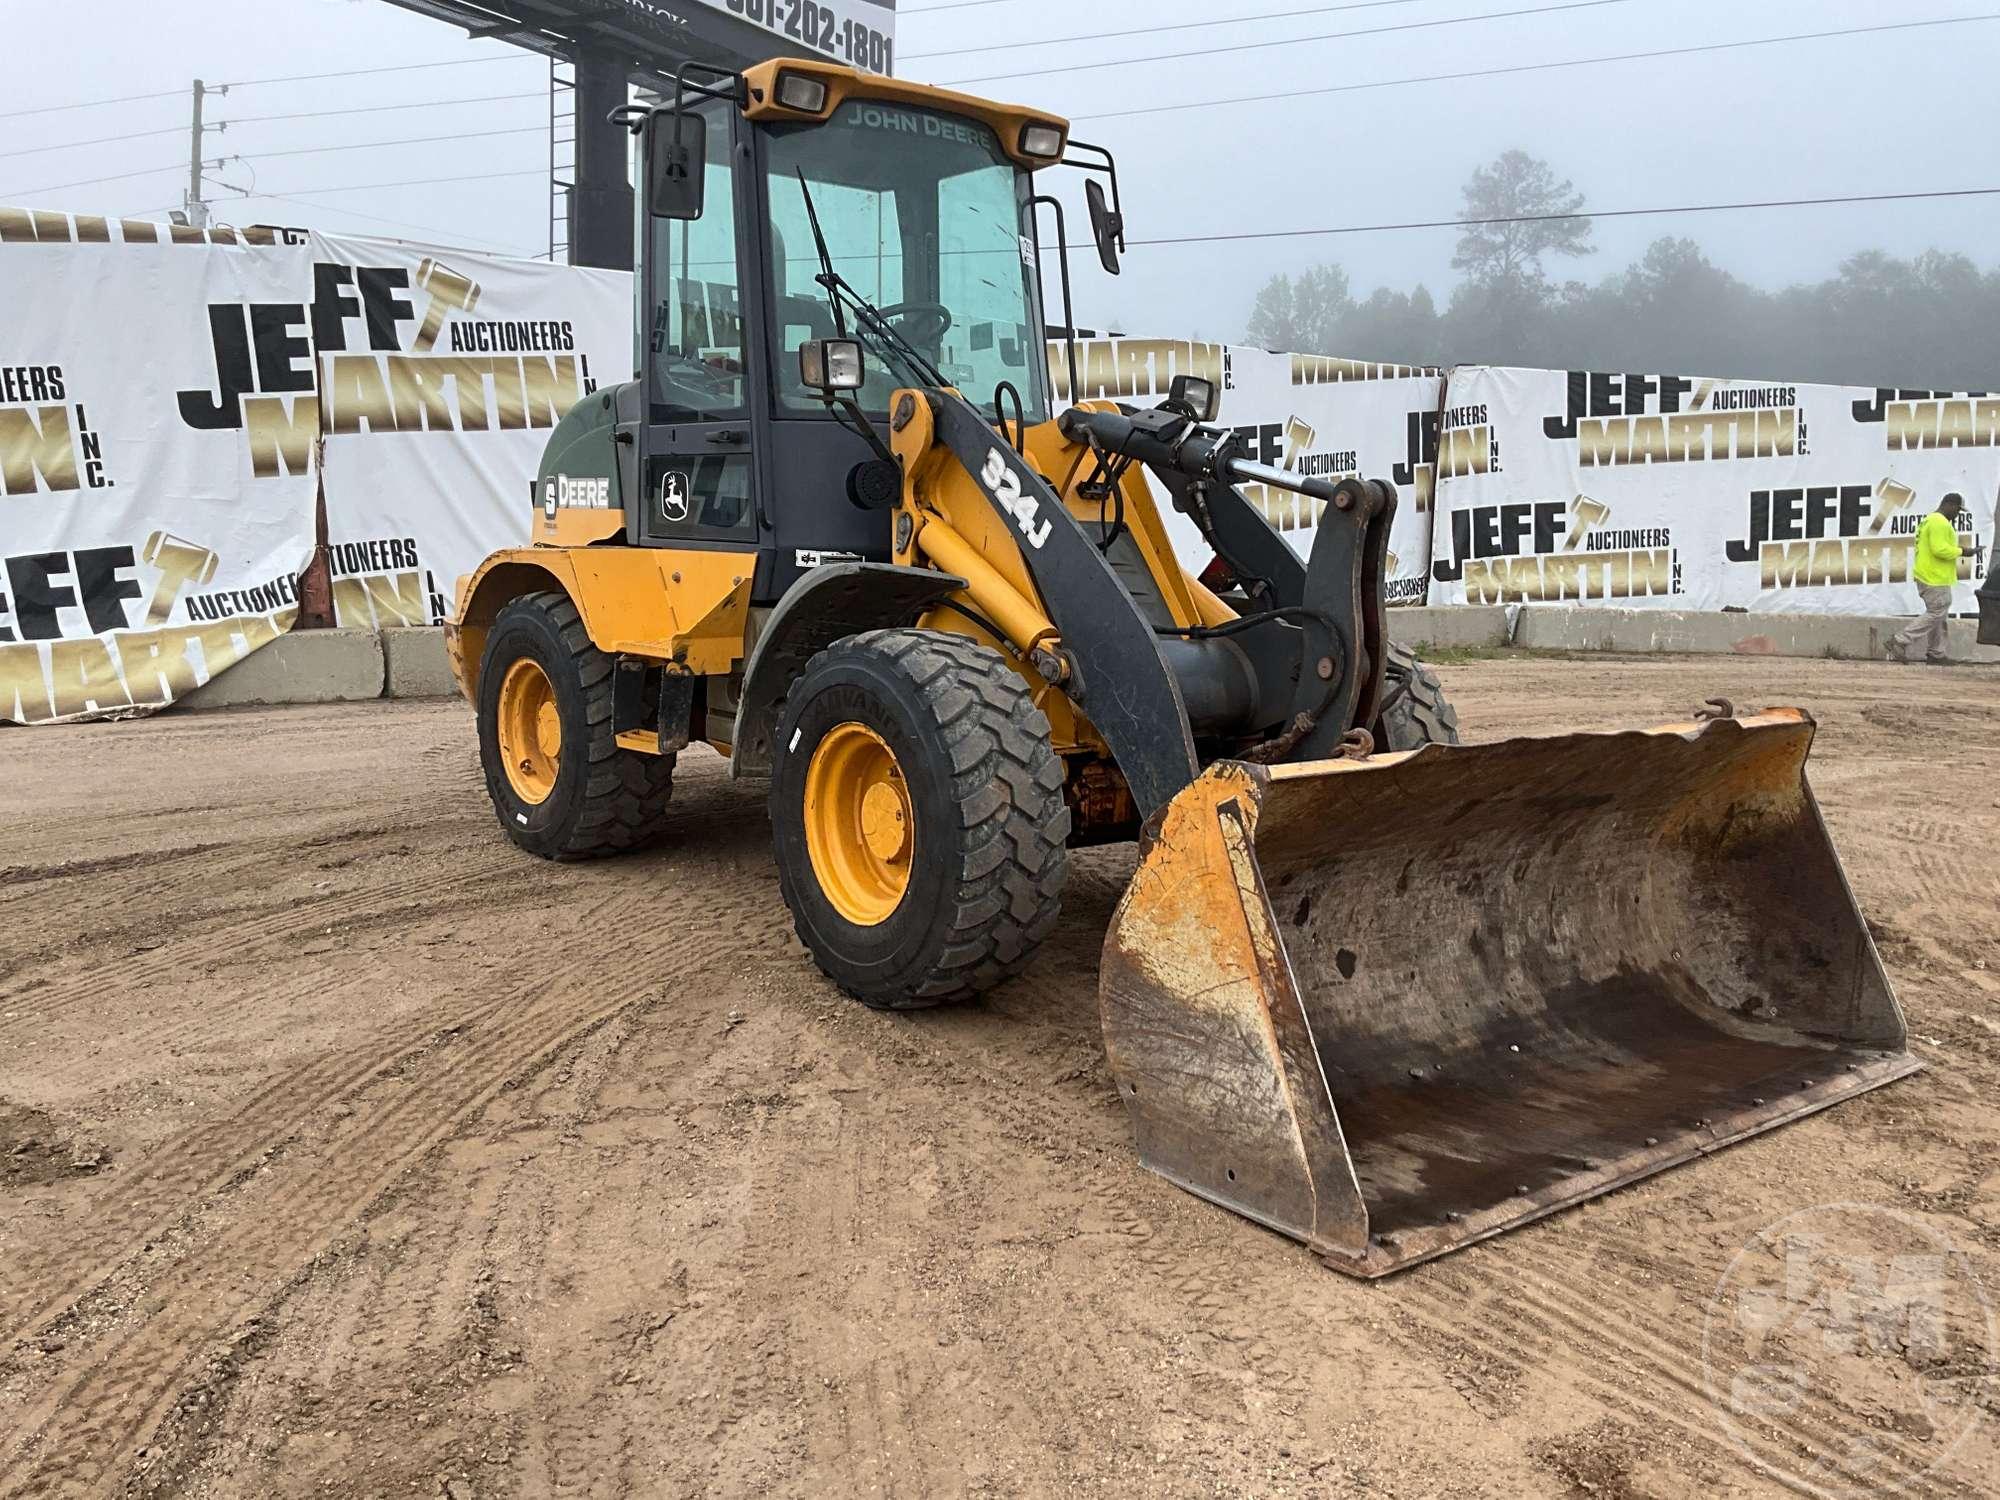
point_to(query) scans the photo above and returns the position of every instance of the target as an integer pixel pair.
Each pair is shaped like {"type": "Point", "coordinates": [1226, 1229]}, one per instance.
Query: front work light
{"type": "Point", "coordinates": [1042, 141]}
{"type": "Point", "coordinates": [1195, 396]}
{"type": "Point", "coordinates": [829, 365]}
{"type": "Point", "coordinates": [802, 92]}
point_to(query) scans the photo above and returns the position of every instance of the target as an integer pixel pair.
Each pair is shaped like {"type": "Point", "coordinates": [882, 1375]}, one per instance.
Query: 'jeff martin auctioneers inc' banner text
{"type": "Point", "coordinates": [157, 422]}
{"type": "Point", "coordinates": [174, 402]}
{"type": "Point", "coordinates": [1682, 493]}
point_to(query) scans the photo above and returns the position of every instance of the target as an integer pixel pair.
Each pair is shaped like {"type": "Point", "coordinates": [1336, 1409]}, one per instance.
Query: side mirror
{"type": "Point", "coordinates": [1195, 396]}
{"type": "Point", "coordinates": [676, 160]}
{"type": "Point", "coordinates": [831, 365]}
{"type": "Point", "coordinates": [1106, 225]}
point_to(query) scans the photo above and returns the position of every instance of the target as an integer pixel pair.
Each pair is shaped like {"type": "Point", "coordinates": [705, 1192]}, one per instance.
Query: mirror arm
{"type": "Point", "coordinates": [1101, 161]}
{"type": "Point", "coordinates": [1062, 255]}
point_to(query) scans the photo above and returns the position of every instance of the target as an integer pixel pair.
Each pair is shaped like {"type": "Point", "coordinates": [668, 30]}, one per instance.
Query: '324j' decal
{"type": "Point", "coordinates": [1005, 486]}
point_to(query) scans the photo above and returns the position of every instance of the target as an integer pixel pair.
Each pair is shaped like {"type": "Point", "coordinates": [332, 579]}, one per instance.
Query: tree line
{"type": "Point", "coordinates": [1927, 322]}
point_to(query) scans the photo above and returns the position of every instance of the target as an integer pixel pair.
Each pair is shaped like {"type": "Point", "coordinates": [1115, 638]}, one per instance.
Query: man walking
{"type": "Point", "coordinates": [1934, 566]}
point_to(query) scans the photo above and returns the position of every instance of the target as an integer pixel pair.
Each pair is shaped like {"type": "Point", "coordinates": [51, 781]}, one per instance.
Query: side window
{"type": "Point", "coordinates": [981, 262]}
{"type": "Point", "coordinates": [697, 319]}
{"type": "Point", "coordinates": [864, 236]}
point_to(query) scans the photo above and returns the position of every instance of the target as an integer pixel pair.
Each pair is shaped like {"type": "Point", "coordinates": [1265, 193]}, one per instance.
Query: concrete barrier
{"type": "Point", "coordinates": [1639, 631]}
{"type": "Point", "coordinates": [1474, 625]}
{"type": "Point", "coordinates": [415, 665]}
{"type": "Point", "coordinates": [300, 666]}
{"type": "Point", "coordinates": [336, 666]}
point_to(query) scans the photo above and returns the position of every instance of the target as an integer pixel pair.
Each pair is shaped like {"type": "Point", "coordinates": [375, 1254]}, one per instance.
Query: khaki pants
{"type": "Point", "coordinates": [1929, 629]}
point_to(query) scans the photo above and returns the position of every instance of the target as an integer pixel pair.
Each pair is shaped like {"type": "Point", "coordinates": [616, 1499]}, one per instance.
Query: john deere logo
{"type": "Point", "coordinates": [674, 495]}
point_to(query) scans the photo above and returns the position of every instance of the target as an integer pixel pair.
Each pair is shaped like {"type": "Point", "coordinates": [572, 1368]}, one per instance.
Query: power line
{"type": "Point", "coordinates": [363, 187]}
{"type": "Point", "coordinates": [456, 62]}
{"type": "Point", "coordinates": [1098, 36]}
{"type": "Point", "coordinates": [50, 109]}
{"type": "Point", "coordinates": [101, 140]}
{"type": "Point", "coordinates": [1608, 213]}
{"type": "Point", "coordinates": [1573, 62]}
{"type": "Point", "coordinates": [918, 10]}
{"type": "Point", "coordinates": [411, 140]}
{"type": "Point", "coordinates": [373, 109]}
{"type": "Point", "coordinates": [1291, 41]}
{"type": "Point", "coordinates": [451, 236]}
{"type": "Point", "coordinates": [23, 194]}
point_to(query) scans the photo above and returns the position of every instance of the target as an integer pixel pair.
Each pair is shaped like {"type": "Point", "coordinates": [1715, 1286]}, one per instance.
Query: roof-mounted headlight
{"type": "Point", "coordinates": [802, 92]}
{"type": "Point", "coordinates": [1041, 140]}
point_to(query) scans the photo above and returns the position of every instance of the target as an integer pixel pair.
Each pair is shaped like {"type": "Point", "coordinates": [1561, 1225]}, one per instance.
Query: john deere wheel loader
{"type": "Point", "coordinates": [1380, 991]}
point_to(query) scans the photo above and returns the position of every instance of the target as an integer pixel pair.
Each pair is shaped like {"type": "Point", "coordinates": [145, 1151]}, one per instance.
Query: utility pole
{"type": "Point", "coordinates": [197, 209]}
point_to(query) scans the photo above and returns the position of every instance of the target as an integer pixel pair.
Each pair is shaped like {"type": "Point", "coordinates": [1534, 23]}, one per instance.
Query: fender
{"type": "Point", "coordinates": [657, 603]}
{"type": "Point", "coordinates": [828, 602]}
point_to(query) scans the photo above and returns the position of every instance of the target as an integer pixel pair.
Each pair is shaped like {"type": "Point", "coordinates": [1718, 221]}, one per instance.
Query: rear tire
{"type": "Point", "coordinates": [588, 797]}
{"type": "Point", "coordinates": [951, 747]}
{"type": "Point", "coordinates": [1415, 711]}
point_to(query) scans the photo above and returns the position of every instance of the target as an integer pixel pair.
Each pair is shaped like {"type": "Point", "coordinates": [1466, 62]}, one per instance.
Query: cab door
{"type": "Point", "coordinates": [697, 465]}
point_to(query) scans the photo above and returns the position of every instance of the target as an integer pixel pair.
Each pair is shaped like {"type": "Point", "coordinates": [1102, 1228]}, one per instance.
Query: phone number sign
{"type": "Point", "coordinates": [855, 32]}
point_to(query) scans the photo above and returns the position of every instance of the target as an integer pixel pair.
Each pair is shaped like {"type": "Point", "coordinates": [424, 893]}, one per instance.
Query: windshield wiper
{"type": "Point", "coordinates": [867, 315]}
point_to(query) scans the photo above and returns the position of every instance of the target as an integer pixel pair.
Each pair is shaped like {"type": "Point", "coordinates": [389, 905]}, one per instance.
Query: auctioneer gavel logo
{"type": "Point", "coordinates": [449, 292]}
{"type": "Point", "coordinates": [181, 563]}
{"type": "Point", "coordinates": [1585, 513]}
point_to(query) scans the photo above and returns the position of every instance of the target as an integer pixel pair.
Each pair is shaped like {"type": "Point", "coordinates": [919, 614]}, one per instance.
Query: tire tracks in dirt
{"type": "Point", "coordinates": [73, 1429]}
{"type": "Point", "coordinates": [1543, 1317]}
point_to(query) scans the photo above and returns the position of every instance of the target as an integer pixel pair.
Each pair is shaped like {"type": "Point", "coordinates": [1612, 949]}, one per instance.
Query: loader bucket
{"type": "Point", "coordinates": [1393, 1005]}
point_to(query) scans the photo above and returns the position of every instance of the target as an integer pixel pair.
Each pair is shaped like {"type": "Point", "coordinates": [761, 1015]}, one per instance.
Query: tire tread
{"type": "Point", "coordinates": [1007, 787]}
{"type": "Point", "coordinates": [626, 792]}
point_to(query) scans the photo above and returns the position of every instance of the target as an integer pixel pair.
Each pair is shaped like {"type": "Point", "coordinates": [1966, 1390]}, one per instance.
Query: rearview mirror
{"type": "Point", "coordinates": [1106, 225]}
{"type": "Point", "coordinates": [676, 160]}
{"type": "Point", "coordinates": [830, 365]}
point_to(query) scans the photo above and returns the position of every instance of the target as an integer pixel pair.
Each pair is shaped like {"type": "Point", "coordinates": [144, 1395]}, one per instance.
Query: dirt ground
{"type": "Point", "coordinates": [346, 1150]}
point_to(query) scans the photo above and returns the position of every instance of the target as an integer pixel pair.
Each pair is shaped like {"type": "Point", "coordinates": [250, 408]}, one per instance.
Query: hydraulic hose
{"type": "Point", "coordinates": [1163, 439]}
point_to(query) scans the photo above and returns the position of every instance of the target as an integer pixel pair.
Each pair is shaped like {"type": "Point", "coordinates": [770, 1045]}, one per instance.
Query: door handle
{"type": "Point", "coordinates": [727, 437]}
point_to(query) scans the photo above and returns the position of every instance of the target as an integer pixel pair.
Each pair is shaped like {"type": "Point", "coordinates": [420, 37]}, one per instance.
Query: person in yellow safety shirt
{"type": "Point", "coordinates": [1934, 565]}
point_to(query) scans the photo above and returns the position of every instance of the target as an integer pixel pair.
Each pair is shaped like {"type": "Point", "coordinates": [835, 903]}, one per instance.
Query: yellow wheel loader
{"type": "Point", "coordinates": [1377, 990]}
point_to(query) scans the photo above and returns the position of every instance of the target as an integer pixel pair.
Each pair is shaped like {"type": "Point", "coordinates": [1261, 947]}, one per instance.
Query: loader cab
{"type": "Point", "coordinates": [927, 206]}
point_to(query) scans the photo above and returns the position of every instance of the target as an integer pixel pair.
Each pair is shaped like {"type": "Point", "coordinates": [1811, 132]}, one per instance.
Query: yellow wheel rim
{"type": "Point", "coordinates": [530, 730]}
{"type": "Point", "coordinates": [859, 830]}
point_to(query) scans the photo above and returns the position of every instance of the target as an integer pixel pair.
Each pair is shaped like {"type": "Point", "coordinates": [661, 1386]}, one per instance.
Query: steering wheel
{"type": "Point", "coordinates": [691, 372]}
{"type": "Point", "coordinates": [928, 321]}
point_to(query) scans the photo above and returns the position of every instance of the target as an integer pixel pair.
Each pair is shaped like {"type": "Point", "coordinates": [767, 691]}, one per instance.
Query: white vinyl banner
{"type": "Point", "coordinates": [441, 373]}
{"type": "Point", "coordinates": [1318, 416]}
{"type": "Point", "coordinates": [157, 423]}
{"type": "Point", "coordinates": [1569, 487]}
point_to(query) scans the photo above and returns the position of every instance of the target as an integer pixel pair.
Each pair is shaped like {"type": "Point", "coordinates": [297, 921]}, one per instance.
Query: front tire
{"type": "Point", "coordinates": [1415, 711]}
{"type": "Point", "coordinates": [560, 783]}
{"type": "Point", "coordinates": [918, 815]}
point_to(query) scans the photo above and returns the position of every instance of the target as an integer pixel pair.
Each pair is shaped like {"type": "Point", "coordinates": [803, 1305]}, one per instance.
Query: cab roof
{"type": "Point", "coordinates": [843, 83]}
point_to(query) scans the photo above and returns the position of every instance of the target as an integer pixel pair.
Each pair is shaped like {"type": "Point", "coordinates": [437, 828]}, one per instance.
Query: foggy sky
{"type": "Point", "coordinates": [1891, 113]}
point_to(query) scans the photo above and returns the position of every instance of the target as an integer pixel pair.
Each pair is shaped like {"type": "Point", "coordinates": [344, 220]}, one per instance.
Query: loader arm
{"type": "Point", "coordinates": [1108, 661]}
{"type": "Point", "coordinates": [1335, 595]}
{"type": "Point", "coordinates": [1286, 681]}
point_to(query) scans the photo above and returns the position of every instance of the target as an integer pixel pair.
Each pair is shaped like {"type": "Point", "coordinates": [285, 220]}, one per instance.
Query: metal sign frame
{"type": "Point", "coordinates": [654, 37]}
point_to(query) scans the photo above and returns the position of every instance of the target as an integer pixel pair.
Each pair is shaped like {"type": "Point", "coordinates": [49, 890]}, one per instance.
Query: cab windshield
{"type": "Point", "coordinates": [927, 219]}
